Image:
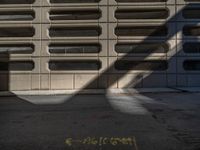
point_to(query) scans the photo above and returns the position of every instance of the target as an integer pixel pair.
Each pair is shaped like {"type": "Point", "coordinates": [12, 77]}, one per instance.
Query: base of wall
{"type": "Point", "coordinates": [100, 91]}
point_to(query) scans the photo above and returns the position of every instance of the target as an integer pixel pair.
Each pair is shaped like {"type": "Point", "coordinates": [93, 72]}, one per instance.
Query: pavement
{"type": "Point", "coordinates": [154, 121]}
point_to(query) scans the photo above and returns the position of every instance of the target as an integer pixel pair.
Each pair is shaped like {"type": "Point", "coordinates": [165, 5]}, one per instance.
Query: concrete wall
{"type": "Point", "coordinates": [134, 35]}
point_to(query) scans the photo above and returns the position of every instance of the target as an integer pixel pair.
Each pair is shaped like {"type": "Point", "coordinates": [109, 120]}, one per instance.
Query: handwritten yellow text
{"type": "Point", "coordinates": [114, 141]}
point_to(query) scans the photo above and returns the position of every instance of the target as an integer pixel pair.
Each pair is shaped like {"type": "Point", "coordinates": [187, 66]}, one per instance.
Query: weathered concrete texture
{"type": "Point", "coordinates": [159, 121]}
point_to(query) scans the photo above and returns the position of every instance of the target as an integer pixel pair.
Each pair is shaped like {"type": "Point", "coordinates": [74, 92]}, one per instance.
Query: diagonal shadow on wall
{"type": "Point", "coordinates": [171, 55]}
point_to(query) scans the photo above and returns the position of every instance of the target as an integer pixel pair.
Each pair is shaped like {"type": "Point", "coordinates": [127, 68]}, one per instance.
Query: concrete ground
{"type": "Point", "coordinates": [157, 121]}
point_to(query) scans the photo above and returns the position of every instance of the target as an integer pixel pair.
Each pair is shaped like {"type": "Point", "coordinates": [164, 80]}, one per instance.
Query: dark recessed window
{"type": "Point", "coordinates": [17, 66]}
{"type": "Point", "coordinates": [156, 65]}
{"type": "Point", "coordinates": [74, 15]}
{"type": "Point", "coordinates": [74, 48]}
{"type": "Point", "coordinates": [16, 15]}
{"type": "Point", "coordinates": [17, 31]}
{"type": "Point", "coordinates": [191, 13]}
{"type": "Point", "coordinates": [192, 0]}
{"type": "Point", "coordinates": [191, 30]}
{"type": "Point", "coordinates": [16, 2]}
{"type": "Point", "coordinates": [74, 1]}
{"type": "Point", "coordinates": [141, 31]}
{"type": "Point", "coordinates": [142, 13]}
{"type": "Point", "coordinates": [67, 65]}
{"type": "Point", "coordinates": [142, 1]}
{"type": "Point", "coordinates": [192, 47]}
{"type": "Point", "coordinates": [142, 48]}
{"type": "Point", "coordinates": [191, 65]}
{"type": "Point", "coordinates": [74, 31]}
{"type": "Point", "coordinates": [16, 48]}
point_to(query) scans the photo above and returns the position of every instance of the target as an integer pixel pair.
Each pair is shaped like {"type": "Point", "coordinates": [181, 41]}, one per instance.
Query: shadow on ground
{"type": "Point", "coordinates": [167, 121]}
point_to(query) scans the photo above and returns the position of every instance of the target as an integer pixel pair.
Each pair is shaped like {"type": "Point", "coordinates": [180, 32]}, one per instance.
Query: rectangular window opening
{"type": "Point", "coordinates": [156, 65]}
{"type": "Point", "coordinates": [17, 15]}
{"type": "Point", "coordinates": [191, 30]}
{"type": "Point", "coordinates": [191, 13]}
{"type": "Point", "coordinates": [16, 48]}
{"type": "Point", "coordinates": [70, 65]}
{"type": "Point", "coordinates": [142, 48]}
{"type": "Point", "coordinates": [17, 31]}
{"type": "Point", "coordinates": [16, 66]}
{"type": "Point", "coordinates": [138, 1]}
{"type": "Point", "coordinates": [74, 31]}
{"type": "Point", "coordinates": [74, 48]}
{"type": "Point", "coordinates": [191, 65]}
{"type": "Point", "coordinates": [74, 1]}
{"type": "Point", "coordinates": [6, 2]}
{"type": "Point", "coordinates": [74, 15]}
{"type": "Point", "coordinates": [142, 31]}
{"type": "Point", "coordinates": [142, 14]}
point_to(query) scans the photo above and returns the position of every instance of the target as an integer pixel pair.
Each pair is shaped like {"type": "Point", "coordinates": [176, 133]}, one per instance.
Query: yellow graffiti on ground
{"type": "Point", "coordinates": [102, 141]}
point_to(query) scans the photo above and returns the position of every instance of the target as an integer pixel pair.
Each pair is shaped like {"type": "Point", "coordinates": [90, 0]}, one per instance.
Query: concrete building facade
{"type": "Point", "coordinates": [97, 44]}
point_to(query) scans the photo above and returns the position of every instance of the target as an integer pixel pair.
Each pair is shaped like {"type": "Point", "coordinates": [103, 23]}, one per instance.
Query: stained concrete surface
{"type": "Point", "coordinates": [158, 121]}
